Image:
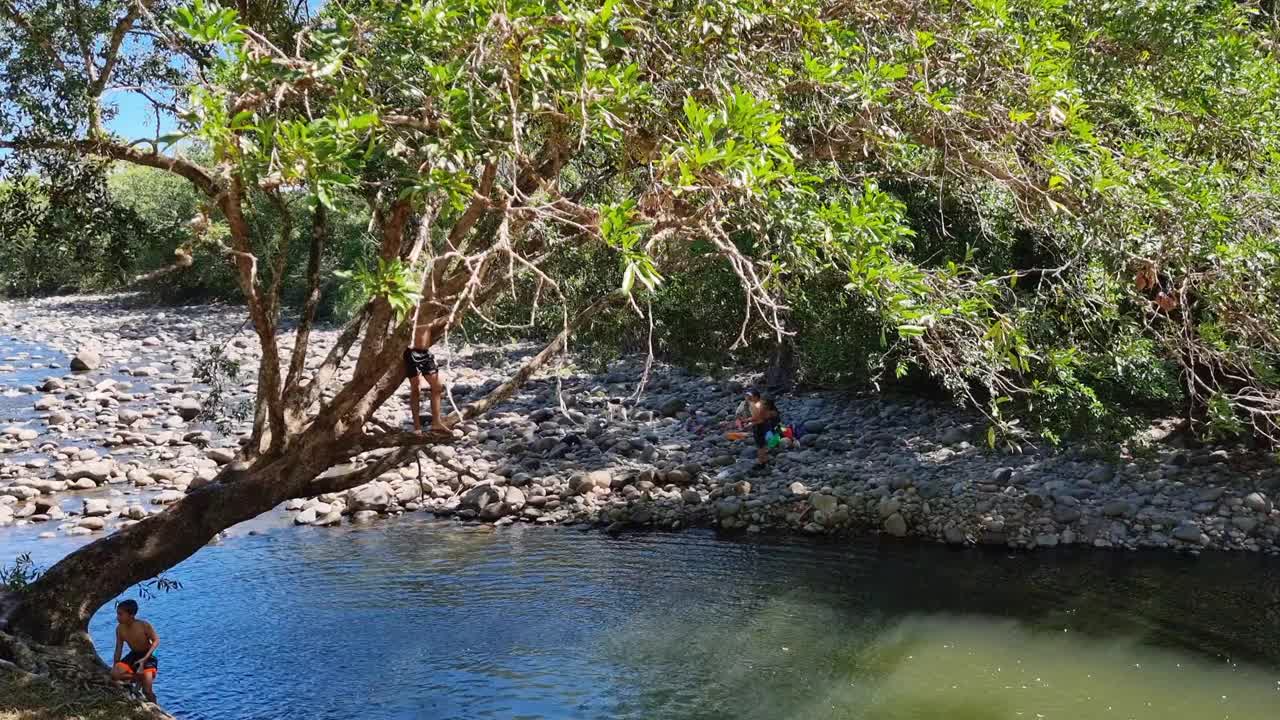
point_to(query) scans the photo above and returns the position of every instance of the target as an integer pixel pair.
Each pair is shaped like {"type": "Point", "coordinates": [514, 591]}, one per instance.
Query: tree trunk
{"type": "Point", "coordinates": [59, 605]}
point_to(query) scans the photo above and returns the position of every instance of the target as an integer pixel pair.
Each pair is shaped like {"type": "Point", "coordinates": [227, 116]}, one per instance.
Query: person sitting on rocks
{"type": "Point", "coordinates": [765, 419]}
{"type": "Point", "coordinates": [419, 364]}
{"type": "Point", "coordinates": [742, 416]}
{"type": "Point", "coordinates": [140, 665]}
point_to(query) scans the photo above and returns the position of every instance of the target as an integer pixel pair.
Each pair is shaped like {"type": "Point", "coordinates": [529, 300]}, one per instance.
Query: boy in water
{"type": "Point", "coordinates": [419, 364]}
{"type": "Point", "coordinates": [140, 665]}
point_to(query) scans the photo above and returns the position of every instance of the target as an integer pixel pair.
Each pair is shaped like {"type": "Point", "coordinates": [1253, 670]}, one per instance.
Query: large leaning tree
{"type": "Point", "coordinates": [1132, 151]}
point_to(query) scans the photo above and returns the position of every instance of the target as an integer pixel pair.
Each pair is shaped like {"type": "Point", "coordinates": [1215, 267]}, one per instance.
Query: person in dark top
{"type": "Point", "coordinates": [765, 419]}
{"type": "Point", "coordinates": [418, 365]}
{"type": "Point", "coordinates": [141, 665]}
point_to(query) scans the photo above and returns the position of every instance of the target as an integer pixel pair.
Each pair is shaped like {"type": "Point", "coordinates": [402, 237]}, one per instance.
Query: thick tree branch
{"type": "Point", "coordinates": [269, 395]}
{"type": "Point", "coordinates": [338, 482]}
{"type": "Point", "coordinates": [302, 338]}
{"type": "Point", "coordinates": [308, 394]}
{"type": "Point", "coordinates": [197, 175]}
{"type": "Point", "coordinates": [282, 253]}
{"type": "Point", "coordinates": [112, 53]}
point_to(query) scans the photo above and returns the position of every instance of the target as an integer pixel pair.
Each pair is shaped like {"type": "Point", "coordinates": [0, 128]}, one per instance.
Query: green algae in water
{"type": "Point", "coordinates": [797, 662]}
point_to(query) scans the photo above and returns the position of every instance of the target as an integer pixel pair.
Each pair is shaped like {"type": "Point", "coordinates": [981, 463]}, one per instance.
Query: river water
{"type": "Point", "coordinates": [416, 618]}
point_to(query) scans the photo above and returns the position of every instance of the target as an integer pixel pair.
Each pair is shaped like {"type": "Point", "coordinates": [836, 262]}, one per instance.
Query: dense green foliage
{"type": "Point", "coordinates": [1062, 212]}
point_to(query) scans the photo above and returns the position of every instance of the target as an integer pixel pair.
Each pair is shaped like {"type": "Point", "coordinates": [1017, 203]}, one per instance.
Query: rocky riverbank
{"type": "Point", "coordinates": [102, 425]}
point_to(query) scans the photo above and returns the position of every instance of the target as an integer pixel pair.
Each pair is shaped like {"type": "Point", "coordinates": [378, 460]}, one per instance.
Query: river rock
{"type": "Point", "coordinates": [374, 496]}
{"type": "Point", "coordinates": [22, 433]}
{"type": "Point", "coordinates": [98, 471]}
{"type": "Point", "coordinates": [329, 519]}
{"type": "Point", "coordinates": [136, 512]}
{"type": "Point", "coordinates": [306, 517]}
{"type": "Point", "coordinates": [1101, 475]}
{"type": "Point", "coordinates": [679, 476]}
{"type": "Point", "coordinates": [1257, 502]}
{"type": "Point", "coordinates": [514, 500]}
{"type": "Point", "coordinates": [188, 408]}
{"type": "Point", "coordinates": [584, 483]}
{"type": "Point", "coordinates": [47, 487]}
{"type": "Point", "coordinates": [1188, 533]}
{"type": "Point", "coordinates": [1245, 525]}
{"type": "Point", "coordinates": [1047, 540]}
{"type": "Point", "coordinates": [690, 496]}
{"type": "Point", "coordinates": [85, 360]}
{"type": "Point", "coordinates": [57, 417]}
{"type": "Point", "coordinates": [1065, 515]}
{"type": "Point", "coordinates": [363, 516]}
{"type": "Point", "coordinates": [168, 497]}
{"type": "Point", "coordinates": [953, 535]}
{"type": "Point", "coordinates": [93, 523]}
{"type": "Point", "coordinates": [1117, 508]}
{"type": "Point", "coordinates": [478, 497]}
{"type": "Point", "coordinates": [48, 402]}
{"type": "Point", "coordinates": [823, 503]}
{"type": "Point", "coordinates": [222, 456]}
{"type": "Point", "coordinates": [896, 525]}
{"type": "Point", "coordinates": [728, 507]}
{"type": "Point", "coordinates": [94, 507]}
{"type": "Point", "coordinates": [21, 492]}
{"type": "Point", "coordinates": [673, 407]}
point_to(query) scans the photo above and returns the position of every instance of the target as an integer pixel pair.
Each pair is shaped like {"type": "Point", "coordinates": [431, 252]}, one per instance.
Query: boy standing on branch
{"type": "Point", "coordinates": [419, 364]}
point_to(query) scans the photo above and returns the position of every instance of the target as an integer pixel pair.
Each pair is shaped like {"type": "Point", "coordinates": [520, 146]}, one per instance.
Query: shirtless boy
{"type": "Point", "coordinates": [419, 364]}
{"type": "Point", "coordinates": [140, 665]}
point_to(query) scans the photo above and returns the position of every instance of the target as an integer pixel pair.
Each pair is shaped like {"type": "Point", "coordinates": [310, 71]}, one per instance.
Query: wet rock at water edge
{"type": "Point", "coordinates": [188, 409]}
{"type": "Point", "coordinates": [823, 503]}
{"type": "Point", "coordinates": [85, 360]}
{"type": "Point", "coordinates": [374, 496]}
{"type": "Point", "coordinates": [92, 523]}
{"type": "Point", "coordinates": [896, 525]}
{"type": "Point", "coordinates": [1188, 533]}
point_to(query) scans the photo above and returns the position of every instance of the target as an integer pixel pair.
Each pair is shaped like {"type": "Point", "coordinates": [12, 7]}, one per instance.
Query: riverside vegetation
{"type": "Point", "coordinates": [1061, 214]}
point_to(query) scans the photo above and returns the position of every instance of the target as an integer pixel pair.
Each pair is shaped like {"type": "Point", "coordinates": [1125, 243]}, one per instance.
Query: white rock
{"type": "Point", "coordinates": [167, 497]}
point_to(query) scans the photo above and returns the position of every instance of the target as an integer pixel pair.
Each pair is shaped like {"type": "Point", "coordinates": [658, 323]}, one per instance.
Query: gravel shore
{"type": "Point", "coordinates": [101, 425]}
